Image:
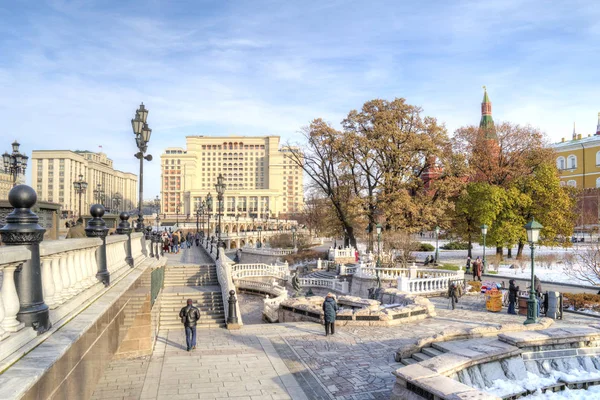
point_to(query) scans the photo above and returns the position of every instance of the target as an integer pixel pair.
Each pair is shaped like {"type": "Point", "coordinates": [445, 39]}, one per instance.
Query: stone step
{"type": "Point", "coordinates": [203, 309]}
{"type": "Point", "coordinates": [203, 320]}
{"type": "Point", "coordinates": [408, 361]}
{"type": "Point", "coordinates": [431, 352]}
{"type": "Point", "coordinates": [421, 356]}
{"type": "Point", "coordinates": [176, 326]}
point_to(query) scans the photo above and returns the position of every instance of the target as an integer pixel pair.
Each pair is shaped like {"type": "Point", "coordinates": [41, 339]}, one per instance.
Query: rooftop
{"type": "Point", "coordinates": [583, 140]}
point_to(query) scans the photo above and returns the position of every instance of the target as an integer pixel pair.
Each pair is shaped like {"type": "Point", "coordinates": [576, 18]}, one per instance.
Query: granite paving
{"type": "Point", "coordinates": [288, 361]}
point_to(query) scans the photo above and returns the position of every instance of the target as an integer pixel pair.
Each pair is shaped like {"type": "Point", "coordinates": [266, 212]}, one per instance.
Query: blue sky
{"type": "Point", "coordinates": [72, 73]}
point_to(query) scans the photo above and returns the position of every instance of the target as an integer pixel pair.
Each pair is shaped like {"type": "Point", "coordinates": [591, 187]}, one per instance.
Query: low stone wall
{"type": "Point", "coordinates": [360, 286]}
{"type": "Point", "coordinates": [357, 311]}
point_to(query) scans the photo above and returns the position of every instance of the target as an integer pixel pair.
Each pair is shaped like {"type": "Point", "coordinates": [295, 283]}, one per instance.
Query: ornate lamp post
{"type": "Point", "coordinates": [220, 187]}
{"type": "Point", "coordinates": [80, 187]}
{"type": "Point", "coordinates": [157, 208]}
{"type": "Point", "coordinates": [437, 247]}
{"type": "Point", "coordinates": [259, 241]}
{"type": "Point", "coordinates": [379, 228]}
{"type": "Point", "coordinates": [117, 201]}
{"type": "Point", "coordinates": [237, 218]}
{"type": "Point", "coordinates": [484, 229]}
{"type": "Point", "coordinates": [177, 213]}
{"type": "Point", "coordinates": [142, 137]}
{"type": "Point", "coordinates": [98, 193]}
{"type": "Point", "coordinates": [15, 163]}
{"type": "Point", "coordinates": [294, 236]}
{"type": "Point", "coordinates": [202, 210]}
{"type": "Point", "coordinates": [533, 229]}
{"type": "Point", "coordinates": [253, 223]}
{"type": "Point", "coordinates": [198, 205]}
{"type": "Point", "coordinates": [209, 205]}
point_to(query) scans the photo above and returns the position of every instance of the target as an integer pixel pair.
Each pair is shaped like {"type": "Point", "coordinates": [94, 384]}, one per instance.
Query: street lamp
{"type": "Point", "coordinates": [208, 212]}
{"type": "Point", "coordinates": [484, 229]}
{"type": "Point", "coordinates": [259, 241]}
{"type": "Point", "coordinates": [142, 137]}
{"type": "Point", "coordinates": [533, 229]}
{"type": "Point", "coordinates": [220, 188]}
{"type": "Point", "coordinates": [379, 229]}
{"type": "Point", "coordinates": [294, 236]}
{"type": "Point", "coordinates": [437, 251]}
{"type": "Point", "coordinates": [266, 219]}
{"type": "Point", "coordinates": [117, 201]}
{"type": "Point", "coordinates": [80, 187]}
{"type": "Point", "coordinates": [157, 207]}
{"type": "Point", "coordinates": [15, 163]}
{"type": "Point", "coordinates": [177, 214]}
{"type": "Point", "coordinates": [99, 193]}
{"type": "Point", "coordinates": [198, 205]}
{"type": "Point", "coordinates": [202, 208]}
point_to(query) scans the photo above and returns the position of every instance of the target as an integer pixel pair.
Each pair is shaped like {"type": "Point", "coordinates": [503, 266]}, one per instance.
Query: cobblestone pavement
{"type": "Point", "coordinates": [287, 361]}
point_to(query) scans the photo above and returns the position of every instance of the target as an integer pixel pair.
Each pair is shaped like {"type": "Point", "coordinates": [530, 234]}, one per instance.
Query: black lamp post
{"type": "Point", "coordinates": [117, 202]}
{"type": "Point", "coordinates": [266, 219]}
{"type": "Point", "coordinates": [142, 137]}
{"type": "Point", "coordinates": [177, 214]}
{"type": "Point", "coordinates": [220, 188]}
{"type": "Point", "coordinates": [198, 203]}
{"type": "Point", "coordinates": [15, 163]}
{"type": "Point", "coordinates": [437, 251]}
{"type": "Point", "coordinates": [259, 241]}
{"type": "Point", "coordinates": [157, 208]}
{"type": "Point", "coordinates": [533, 229]}
{"type": "Point", "coordinates": [209, 205]}
{"type": "Point", "coordinates": [378, 228]}
{"type": "Point", "coordinates": [253, 223]}
{"type": "Point", "coordinates": [484, 229]}
{"type": "Point", "coordinates": [202, 211]}
{"type": "Point", "coordinates": [80, 187]}
{"type": "Point", "coordinates": [294, 236]}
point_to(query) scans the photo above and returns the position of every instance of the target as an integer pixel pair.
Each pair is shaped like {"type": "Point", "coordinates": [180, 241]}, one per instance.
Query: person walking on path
{"type": "Point", "coordinates": [538, 292]}
{"type": "Point", "coordinates": [512, 296]}
{"type": "Point", "coordinates": [189, 317]}
{"type": "Point", "coordinates": [468, 266]}
{"type": "Point", "coordinates": [175, 240]}
{"type": "Point", "coordinates": [453, 293]}
{"type": "Point", "coordinates": [77, 230]}
{"type": "Point", "coordinates": [477, 267]}
{"type": "Point", "coordinates": [330, 309]}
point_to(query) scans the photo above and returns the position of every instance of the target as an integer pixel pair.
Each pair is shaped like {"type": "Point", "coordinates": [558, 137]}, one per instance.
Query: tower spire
{"type": "Point", "coordinates": [574, 134]}
{"type": "Point", "coordinates": [598, 126]}
{"type": "Point", "coordinates": [487, 122]}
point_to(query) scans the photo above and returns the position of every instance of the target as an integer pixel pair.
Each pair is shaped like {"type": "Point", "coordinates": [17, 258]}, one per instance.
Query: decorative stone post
{"type": "Point", "coordinates": [125, 228]}
{"type": "Point", "coordinates": [232, 317]}
{"type": "Point", "coordinates": [148, 238]}
{"type": "Point", "coordinates": [96, 227]}
{"type": "Point", "coordinates": [22, 229]}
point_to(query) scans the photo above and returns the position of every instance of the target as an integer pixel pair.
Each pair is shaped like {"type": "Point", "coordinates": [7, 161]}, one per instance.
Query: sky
{"type": "Point", "coordinates": [72, 73]}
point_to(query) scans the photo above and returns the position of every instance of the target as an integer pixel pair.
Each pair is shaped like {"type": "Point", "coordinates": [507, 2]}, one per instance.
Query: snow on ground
{"type": "Point", "coordinates": [591, 393]}
{"type": "Point", "coordinates": [534, 382]}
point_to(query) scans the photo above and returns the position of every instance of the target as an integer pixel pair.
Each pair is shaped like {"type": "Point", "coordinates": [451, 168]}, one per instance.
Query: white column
{"type": "Point", "coordinates": [3, 333]}
{"type": "Point", "coordinates": [90, 254]}
{"type": "Point", "coordinates": [47, 281]}
{"type": "Point", "coordinates": [78, 267]}
{"type": "Point", "coordinates": [64, 273]}
{"type": "Point", "coordinates": [10, 300]}
{"type": "Point", "coordinates": [74, 288]}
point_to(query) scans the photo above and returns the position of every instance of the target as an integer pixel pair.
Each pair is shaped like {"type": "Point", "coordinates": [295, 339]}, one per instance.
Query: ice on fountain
{"type": "Point", "coordinates": [476, 377]}
{"type": "Point", "coordinates": [514, 368]}
{"type": "Point", "coordinates": [464, 377]}
{"type": "Point", "coordinates": [578, 394]}
{"type": "Point", "coordinates": [572, 363]}
{"type": "Point", "coordinates": [596, 361]}
{"type": "Point", "coordinates": [545, 367]}
{"type": "Point", "coordinates": [532, 366]}
{"type": "Point", "coordinates": [587, 364]}
{"type": "Point", "coordinates": [492, 372]}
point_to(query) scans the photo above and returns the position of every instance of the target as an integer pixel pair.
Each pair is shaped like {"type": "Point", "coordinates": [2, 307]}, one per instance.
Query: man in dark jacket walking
{"type": "Point", "coordinates": [189, 317]}
{"type": "Point", "coordinates": [76, 231]}
{"type": "Point", "coordinates": [512, 296]}
{"type": "Point", "coordinates": [330, 308]}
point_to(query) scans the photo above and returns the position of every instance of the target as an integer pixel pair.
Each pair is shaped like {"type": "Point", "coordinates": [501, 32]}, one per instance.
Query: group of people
{"type": "Point", "coordinates": [476, 266]}
{"type": "Point", "coordinates": [174, 241]}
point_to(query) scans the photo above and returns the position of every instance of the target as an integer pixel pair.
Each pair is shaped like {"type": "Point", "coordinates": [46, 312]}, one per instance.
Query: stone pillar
{"type": "Point", "coordinates": [412, 271]}
{"type": "Point", "coordinates": [403, 284]}
{"type": "Point", "coordinates": [96, 227]}
{"type": "Point", "coordinates": [22, 229]}
{"type": "Point", "coordinates": [124, 228]}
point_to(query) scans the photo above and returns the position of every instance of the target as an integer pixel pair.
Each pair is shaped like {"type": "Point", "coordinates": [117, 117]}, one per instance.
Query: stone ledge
{"type": "Point", "coordinates": [20, 380]}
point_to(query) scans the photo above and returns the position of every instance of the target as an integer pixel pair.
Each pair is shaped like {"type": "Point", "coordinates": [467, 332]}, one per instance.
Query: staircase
{"type": "Point", "coordinates": [196, 282]}
{"type": "Point", "coordinates": [425, 354]}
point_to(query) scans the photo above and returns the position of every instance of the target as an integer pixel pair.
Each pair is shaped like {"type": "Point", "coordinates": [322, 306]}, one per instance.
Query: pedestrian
{"type": "Point", "coordinates": [453, 292]}
{"type": "Point", "coordinates": [197, 239]}
{"type": "Point", "coordinates": [538, 292]}
{"type": "Point", "coordinates": [76, 231]}
{"type": "Point", "coordinates": [330, 309]}
{"type": "Point", "coordinates": [166, 242]}
{"type": "Point", "coordinates": [512, 296]}
{"type": "Point", "coordinates": [477, 268]}
{"type": "Point", "coordinates": [468, 266]}
{"type": "Point", "coordinates": [175, 241]}
{"type": "Point", "coordinates": [189, 317]}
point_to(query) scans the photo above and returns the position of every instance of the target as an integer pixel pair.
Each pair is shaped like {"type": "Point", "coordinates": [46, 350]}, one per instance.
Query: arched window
{"type": "Point", "coordinates": [572, 162]}
{"type": "Point", "coordinates": [560, 163]}
{"type": "Point", "coordinates": [598, 182]}
{"type": "Point", "coordinates": [572, 183]}
{"type": "Point", "coordinates": [598, 158]}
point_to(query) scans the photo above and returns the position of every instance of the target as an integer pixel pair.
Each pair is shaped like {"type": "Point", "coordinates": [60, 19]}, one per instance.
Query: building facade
{"type": "Point", "coordinates": [6, 182]}
{"type": "Point", "coordinates": [258, 174]}
{"type": "Point", "coordinates": [54, 171]}
{"type": "Point", "coordinates": [578, 160]}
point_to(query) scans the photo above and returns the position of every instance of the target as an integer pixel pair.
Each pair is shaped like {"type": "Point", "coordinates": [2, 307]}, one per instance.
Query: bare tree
{"type": "Point", "coordinates": [584, 266]}
{"type": "Point", "coordinates": [403, 244]}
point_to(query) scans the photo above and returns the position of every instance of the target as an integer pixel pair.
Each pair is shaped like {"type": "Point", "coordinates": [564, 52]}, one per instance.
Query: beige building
{"type": "Point", "coordinates": [257, 172]}
{"type": "Point", "coordinates": [6, 184]}
{"type": "Point", "coordinates": [54, 171]}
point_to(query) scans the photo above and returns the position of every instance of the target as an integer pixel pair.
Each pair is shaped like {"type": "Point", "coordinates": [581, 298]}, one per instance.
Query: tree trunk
{"type": "Point", "coordinates": [499, 250]}
{"type": "Point", "coordinates": [520, 250]}
{"type": "Point", "coordinates": [509, 252]}
{"type": "Point", "coordinates": [469, 248]}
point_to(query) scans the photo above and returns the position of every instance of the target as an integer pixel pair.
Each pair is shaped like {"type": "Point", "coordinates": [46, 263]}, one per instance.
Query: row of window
{"type": "Point", "coordinates": [571, 161]}
{"type": "Point", "coordinates": [573, 183]}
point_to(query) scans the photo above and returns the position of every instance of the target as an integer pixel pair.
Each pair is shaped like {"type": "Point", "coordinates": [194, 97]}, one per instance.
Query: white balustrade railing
{"type": "Point", "coordinates": [371, 272]}
{"type": "Point", "coordinates": [271, 306]}
{"type": "Point", "coordinates": [325, 264]}
{"type": "Point", "coordinates": [258, 269]}
{"type": "Point", "coordinates": [348, 252]}
{"type": "Point", "coordinates": [347, 269]}
{"type": "Point", "coordinates": [333, 284]}
{"type": "Point", "coordinates": [438, 281]}
{"type": "Point", "coordinates": [68, 268]}
{"type": "Point", "coordinates": [271, 288]}
{"type": "Point", "coordinates": [269, 251]}
{"type": "Point", "coordinates": [225, 277]}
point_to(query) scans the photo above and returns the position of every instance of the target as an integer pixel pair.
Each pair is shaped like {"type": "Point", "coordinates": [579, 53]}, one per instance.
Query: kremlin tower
{"type": "Point", "coordinates": [487, 122]}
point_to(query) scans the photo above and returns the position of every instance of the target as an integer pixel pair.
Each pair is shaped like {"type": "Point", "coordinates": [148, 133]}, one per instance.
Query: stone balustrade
{"type": "Point", "coordinates": [346, 253]}
{"type": "Point", "coordinates": [258, 269]}
{"type": "Point", "coordinates": [271, 306]}
{"type": "Point", "coordinates": [325, 264]}
{"type": "Point", "coordinates": [270, 288]}
{"type": "Point", "coordinates": [438, 282]}
{"type": "Point", "coordinates": [372, 272]}
{"type": "Point", "coordinates": [347, 269]}
{"type": "Point", "coordinates": [269, 251]}
{"type": "Point", "coordinates": [341, 286]}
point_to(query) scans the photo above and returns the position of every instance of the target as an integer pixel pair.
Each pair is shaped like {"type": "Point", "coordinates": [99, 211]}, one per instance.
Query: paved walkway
{"type": "Point", "coordinates": [194, 255]}
{"type": "Point", "coordinates": [285, 361]}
